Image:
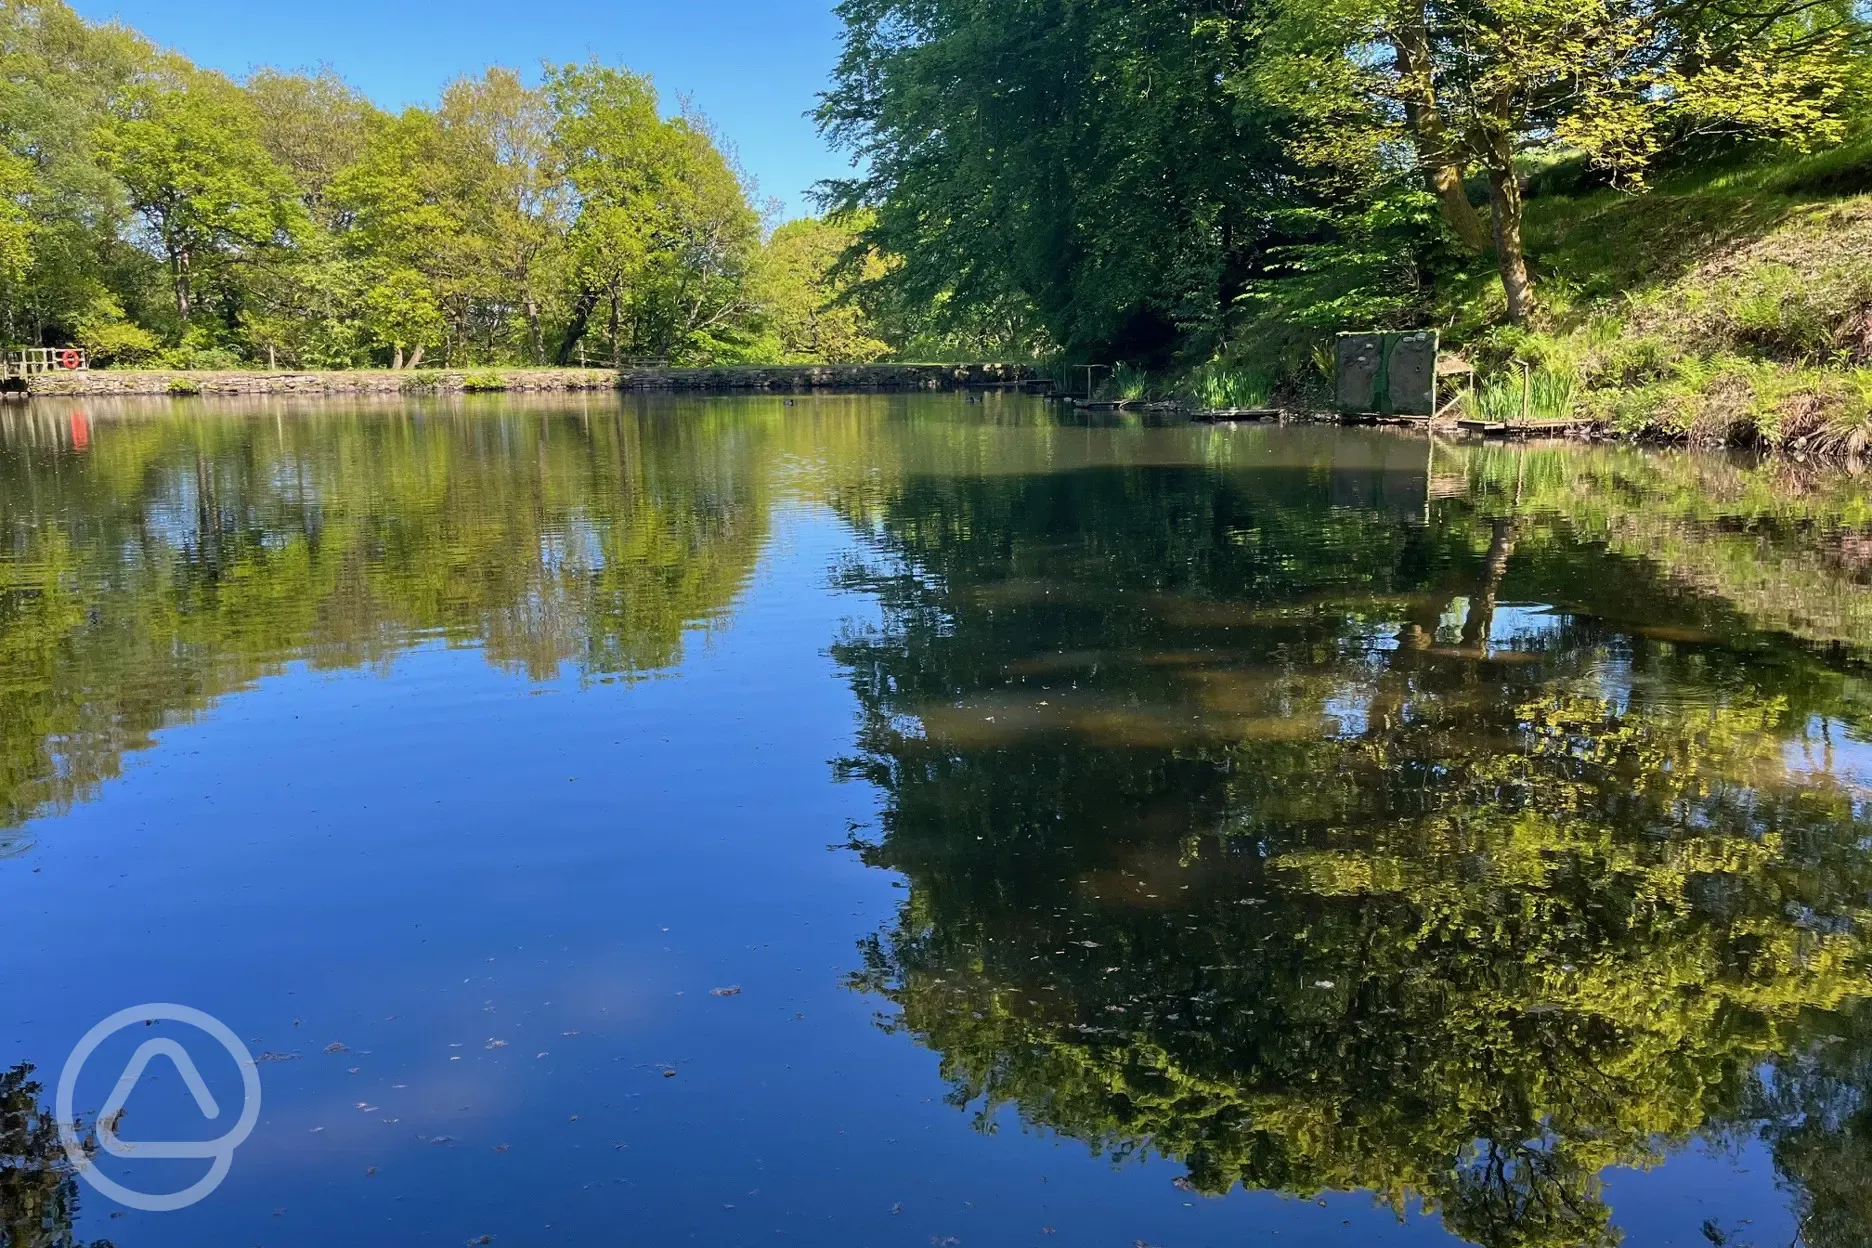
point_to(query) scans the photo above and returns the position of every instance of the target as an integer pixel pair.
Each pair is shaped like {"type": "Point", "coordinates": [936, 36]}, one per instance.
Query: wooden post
{"type": "Point", "coordinates": [1527, 391]}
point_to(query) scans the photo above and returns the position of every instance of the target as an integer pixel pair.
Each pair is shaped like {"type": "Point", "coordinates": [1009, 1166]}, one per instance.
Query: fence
{"type": "Point", "coordinates": [598, 356]}
{"type": "Point", "coordinates": [30, 361]}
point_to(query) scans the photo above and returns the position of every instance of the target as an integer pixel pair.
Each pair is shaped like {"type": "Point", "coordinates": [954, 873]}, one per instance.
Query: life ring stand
{"type": "Point", "coordinates": [70, 360]}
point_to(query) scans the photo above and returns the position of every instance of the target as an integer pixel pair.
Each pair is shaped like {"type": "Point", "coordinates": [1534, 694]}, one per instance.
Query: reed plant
{"type": "Point", "coordinates": [1221, 385]}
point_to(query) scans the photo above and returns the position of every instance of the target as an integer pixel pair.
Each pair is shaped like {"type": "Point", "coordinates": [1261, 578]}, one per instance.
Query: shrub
{"type": "Point", "coordinates": [207, 359]}
{"type": "Point", "coordinates": [485, 381]}
{"type": "Point", "coordinates": [421, 379]}
{"type": "Point", "coordinates": [1635, 361]}
{"type": "Point", "coordinates": [109, 339]}
{"type": "Point", "coordinates": [182, 387]}
{"type": "Point", "coordinates": [1131, 385]}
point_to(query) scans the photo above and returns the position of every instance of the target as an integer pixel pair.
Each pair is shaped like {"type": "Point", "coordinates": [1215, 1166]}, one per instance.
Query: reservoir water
{"type": "Point", "coordinates": [901, 820]}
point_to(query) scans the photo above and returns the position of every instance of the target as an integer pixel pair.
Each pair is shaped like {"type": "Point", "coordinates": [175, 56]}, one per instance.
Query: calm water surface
{"type": "Point", "coordinates": [1116, 835]}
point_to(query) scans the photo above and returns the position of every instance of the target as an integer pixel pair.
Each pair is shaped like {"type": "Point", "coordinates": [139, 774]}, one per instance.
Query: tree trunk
{"type": "Point", "coordinates": [183, 295]}
{"type": "Point", "coordinates": [1480, 622]}
{"type": "Point", "coordinates": [581, 319]}
{"type": "Point", "coordinates": [1446, 183]}
{"type": "Point", "coordinates": [1510, 257]}
{"type": "Point", "coordinates": [396, 361]}
{"type": "Point", "coordinates": [415, 358]}
{"type": "Point", "coordinates": [1442, 172]}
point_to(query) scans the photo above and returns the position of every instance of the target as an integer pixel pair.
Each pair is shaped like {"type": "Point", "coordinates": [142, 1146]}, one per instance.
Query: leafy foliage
{"type": "Point", "coordinates": [1084, 168]}
{"type": "Point", "coordinates": [1165, 184]}
{"type": "Point", "coordinates": [153, 210]}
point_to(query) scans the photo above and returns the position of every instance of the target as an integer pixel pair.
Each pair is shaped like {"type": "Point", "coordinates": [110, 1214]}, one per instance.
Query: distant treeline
{"type": "Point", "coordinates": [158, 213]}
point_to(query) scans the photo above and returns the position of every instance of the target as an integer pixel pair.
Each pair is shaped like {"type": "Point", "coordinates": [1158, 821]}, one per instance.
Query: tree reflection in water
{"type": "Point", "coordinates": [1268, 833]}
{"type": "Point", "coordinates": [38, 1193]}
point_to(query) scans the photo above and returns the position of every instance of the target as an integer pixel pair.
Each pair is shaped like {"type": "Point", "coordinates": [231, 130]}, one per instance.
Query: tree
{"type": "Point", "coordinates": [499, 133]}
{"type": "Point", "coordinates": [16, 225]}
{"type": "Point", "coordinates": [400, 312]}
{"type": "Point", "coordinates": [663, 232]}
{"type": "Point", "coordinates": [1087, 165]}
{"type": "Point", "coordinates": [709, 235]}
{"type": "Point", "coordinates": [138, 193]}
{"type": "Point", "coordinates": [404, 228]}
{"type": "Point", "coordinates": [807, 292]}
{"type": "Point", "coordinates": [183, 142]}
{"type": "Point", "coordinates": [63, 210]}
{"type": "Point", "coordinates": [313, 125]}
{"type": "Point", "coordinates": [608, 138]}
{"type": "Point", "coordinates": [1477, 85]}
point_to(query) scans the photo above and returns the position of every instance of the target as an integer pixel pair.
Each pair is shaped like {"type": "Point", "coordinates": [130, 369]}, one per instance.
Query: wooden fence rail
{"type": "Point", "coordinates": [31, 361]}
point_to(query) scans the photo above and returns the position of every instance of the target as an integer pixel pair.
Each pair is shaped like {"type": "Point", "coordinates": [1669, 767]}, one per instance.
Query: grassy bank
{"type": "Point", "coordinates": [1731, 306]}
{"type": "Point", "coordinates": [1723, 306]}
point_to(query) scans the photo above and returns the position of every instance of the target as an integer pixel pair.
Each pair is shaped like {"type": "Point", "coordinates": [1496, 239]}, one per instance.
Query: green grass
{"type": "Point", "coordinates": [1729, 305]}
{"type": "Point", "coordinates": [485, 381]}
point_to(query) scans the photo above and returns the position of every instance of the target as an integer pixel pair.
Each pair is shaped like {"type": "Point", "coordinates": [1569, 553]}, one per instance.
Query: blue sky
{"type": "Point", "coordinates": [754, 66]}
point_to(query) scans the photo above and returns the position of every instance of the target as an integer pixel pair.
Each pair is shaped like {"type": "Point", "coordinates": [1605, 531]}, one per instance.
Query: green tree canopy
{"type": "Point", "coordinates": [154, 211]}
{"type": "Point", "coordinates": [1088, 162]}
{"type": "Point", "coordinates": [184, 145]}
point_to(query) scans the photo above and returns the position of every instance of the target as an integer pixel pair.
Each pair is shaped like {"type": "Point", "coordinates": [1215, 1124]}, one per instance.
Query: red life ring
{"type": "Point", "coordinates": [70, 360]}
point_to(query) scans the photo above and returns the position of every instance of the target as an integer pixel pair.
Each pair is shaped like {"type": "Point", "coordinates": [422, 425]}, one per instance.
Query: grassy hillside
{"type": "Point", "coordinates": [1730, 306]}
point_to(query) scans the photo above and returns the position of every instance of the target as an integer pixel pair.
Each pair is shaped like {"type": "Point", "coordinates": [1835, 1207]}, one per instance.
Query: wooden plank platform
{"type": "Point", "coordinates": [1381, 418]}
{"type": "Point", "coordinates": [1232, 415]}
{"type": "Point", "coordinates": [1533, 429]}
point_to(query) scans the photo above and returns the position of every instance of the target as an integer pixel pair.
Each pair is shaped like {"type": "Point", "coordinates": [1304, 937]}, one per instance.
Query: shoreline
{"type": "Point", "coordinates": [157, 383]}
{"type": "Point", "coordinates": [789, 379]}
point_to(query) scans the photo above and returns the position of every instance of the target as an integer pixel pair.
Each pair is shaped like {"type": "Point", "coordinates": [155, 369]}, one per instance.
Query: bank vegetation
{"type": "Point", "coordinates": [1658, 206]}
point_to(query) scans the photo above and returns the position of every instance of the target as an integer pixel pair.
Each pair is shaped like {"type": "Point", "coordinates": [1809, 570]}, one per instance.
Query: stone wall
{"type": "Point", "coordinates": [826, 377]}
{"type": "Point", "coordinates": [114, 382]}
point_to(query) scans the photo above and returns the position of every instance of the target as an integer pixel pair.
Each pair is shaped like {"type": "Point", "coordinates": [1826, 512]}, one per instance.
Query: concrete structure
{"type": "Point", "coordinates": [1387, 374]}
